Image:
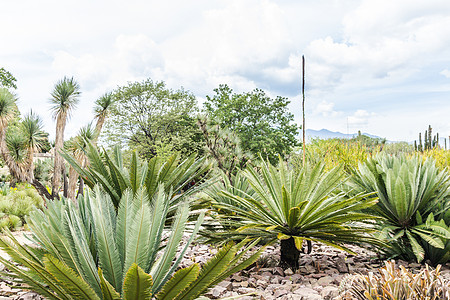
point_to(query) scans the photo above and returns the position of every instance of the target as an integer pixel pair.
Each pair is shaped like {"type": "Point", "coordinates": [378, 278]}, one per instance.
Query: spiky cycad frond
{"type": "Point", "coordinates": [410, 191]}
{"type": "Point", "coordinates": [295, 207]}
{"type": "Point", "coordinates": [88, 251]}
{"type": "Point", "coordinates": [107, 170]}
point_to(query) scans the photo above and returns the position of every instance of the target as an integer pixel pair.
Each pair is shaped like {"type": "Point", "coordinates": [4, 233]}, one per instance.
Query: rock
{"type": "Point", "coordinates": [244, 284]}
{"type": "Point", "coordinates": [288, 272]}
{"type": "Point", "coordinates": [324, 281]}
{"type": "Point", "coordinates": [329, 292]}
{"type": "Point", "coordinates": [261, 283]}
{"type": "Point", "coordinates": [243, 290]}
{"type": "Point", "coordinates": [296, 278]}
{"type": "Point", "coordinates": [341, 266]}
{"type": "Point", "coordinates": [217, 291]}
{"type": "Point", "coordinates": [228, 285]}
{"type": "Point", "coordinates": [278, 271]}
{"type": "Point", "coordinates": [275, 280]}
{"type": "Point", "coordinates": [236, 277]}
{"type": "Point", "coordinates": [308, 294]}
{"type": "Point", "coordinates": [280, 292]}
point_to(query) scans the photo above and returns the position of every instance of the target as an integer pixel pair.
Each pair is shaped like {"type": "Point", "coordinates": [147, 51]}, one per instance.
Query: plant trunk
{"type": "Point", "coordinates": [98, 128]}
{"type": "Point", "coordinates": [289, 254]}
{"type": "Point", "coordinates": [73, 178]}
{"type": "Point", "coordinates": [66, 184]}
{"type": "Point", "coordinates": [42, 190]}
{"type": "Point", "coordinates": [80, 187]}
{"type": "Point", "coordinates": [59, 141]}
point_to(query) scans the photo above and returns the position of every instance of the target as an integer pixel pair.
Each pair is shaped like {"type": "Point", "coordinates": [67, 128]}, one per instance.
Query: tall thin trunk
{"type": "Point", "coordinates": [73, 178]}
{"type": "Point", "coordinates": [98, 127]}
{"type": "Point", "coordinates": [303, 109]}
{"type": "Point", "coordinates": [59, 143]}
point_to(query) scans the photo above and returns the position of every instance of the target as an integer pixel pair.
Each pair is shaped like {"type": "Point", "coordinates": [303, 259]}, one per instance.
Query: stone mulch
{"type": "Point", "coordinates": [318, 277]}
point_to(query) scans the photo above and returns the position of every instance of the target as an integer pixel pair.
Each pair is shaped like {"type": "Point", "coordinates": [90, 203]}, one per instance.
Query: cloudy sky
{"type": "Point", "coordinates": [379, 66]}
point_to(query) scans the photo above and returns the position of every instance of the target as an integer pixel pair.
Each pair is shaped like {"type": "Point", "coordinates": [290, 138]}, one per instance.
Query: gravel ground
{"type": "Point", "coordinates": [318, 277]}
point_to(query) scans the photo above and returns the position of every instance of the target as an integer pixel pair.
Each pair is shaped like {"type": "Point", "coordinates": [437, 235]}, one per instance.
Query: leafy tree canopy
{"type": "Point", "coordinates": [154, 120]}
{"type": "Point", "coordinates": [264, 125]}
{"type": "Point", "coordinates": [7, 79]}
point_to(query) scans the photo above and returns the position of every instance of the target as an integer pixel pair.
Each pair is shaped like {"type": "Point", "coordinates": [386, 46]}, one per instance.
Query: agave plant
{"type": "Point", "coordinates": [412, 193]}
{"type": "Point", "coordinates": [92, 252]}
{"type": "Point", "coordinates": [294, 207]}
{"type": "Point", "coordinates": [110, 173]}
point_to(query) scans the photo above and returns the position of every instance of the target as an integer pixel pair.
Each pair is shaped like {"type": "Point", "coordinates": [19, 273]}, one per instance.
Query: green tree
{"type": "Point", "coordinates": [154, 120]}
{"type": "Point", "coordinates": [64, 98]}
{"type": "Point", "coordinates": [7, 80]}
{"type": "Point", "coordinates": [264, 125]}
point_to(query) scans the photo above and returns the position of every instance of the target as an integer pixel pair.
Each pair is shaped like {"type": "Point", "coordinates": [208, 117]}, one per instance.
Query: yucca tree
{"type": "Point", "coordinates": [101, 110]}
{"type": "Point", "coordinates": [64, 98]}
{"type": "Point", "coordinates": [34, 135]}
{"type": "Point", "coordinates": [90, 251]}
{"type": "Point", "coordinates": [77, 148]}
{"type": "Point", "coordinates": [294, 207]}
{"type": "Point", "coordinates": [108, 170]}
{"type": "Point", "coordinates": [411, 192]}
{"type": "Point", "coordinates": [8, 111]}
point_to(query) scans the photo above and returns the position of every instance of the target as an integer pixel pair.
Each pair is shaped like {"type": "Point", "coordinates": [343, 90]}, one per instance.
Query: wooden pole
{"type": "Point", "coordinates": [303, 109]}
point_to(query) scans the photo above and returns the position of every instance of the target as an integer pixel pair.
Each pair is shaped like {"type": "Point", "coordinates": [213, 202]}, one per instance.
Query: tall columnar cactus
{"type": "Point", "coordinates": [420, 142]}
{"type": "Point", "coordinates": [425, 141]}
{"type": "Point", "coordinates": [430, 132]}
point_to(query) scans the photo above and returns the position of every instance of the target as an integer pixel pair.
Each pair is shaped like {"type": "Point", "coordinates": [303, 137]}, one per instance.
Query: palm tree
{"type": "Point", "coordinates": [64, 99]}
{"type": "Point", "coordinates": [32, 129]}
{"type": "Point", "coordinates": [101, 110]}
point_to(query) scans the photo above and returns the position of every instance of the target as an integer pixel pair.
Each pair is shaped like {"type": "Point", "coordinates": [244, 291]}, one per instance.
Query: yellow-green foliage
{"type": "Point", "coordinates": [16, 203]}
{"type": "Point", "coordinates": [336, 152]}
{"type": "Point", "coordinates": [441, 156]}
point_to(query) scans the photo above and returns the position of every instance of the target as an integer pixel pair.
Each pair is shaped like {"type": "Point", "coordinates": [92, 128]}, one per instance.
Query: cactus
{"type": "Point", "coordinates": [420, 142]}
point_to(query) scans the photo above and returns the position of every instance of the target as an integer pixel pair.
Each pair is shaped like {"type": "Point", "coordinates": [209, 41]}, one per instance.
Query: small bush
{"type": "Point", "coordinates": [395, 284]}
{"type": "Point", "coordinates": [16, 203]}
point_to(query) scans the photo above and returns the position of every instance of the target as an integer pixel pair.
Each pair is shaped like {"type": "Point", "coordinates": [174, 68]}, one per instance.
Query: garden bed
{"type": "Point", "coordinates": [318, 277]}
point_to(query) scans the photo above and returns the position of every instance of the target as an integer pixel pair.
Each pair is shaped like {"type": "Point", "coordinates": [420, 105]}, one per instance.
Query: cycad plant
{"type": "Point", "coordinates": [90, 251]}
{"type": "Point", "coordinates": [413, 195]}
{"type": "Point", "coordinates": [108, 171]}
{"type": "Point", "coordinates": [294, 207]}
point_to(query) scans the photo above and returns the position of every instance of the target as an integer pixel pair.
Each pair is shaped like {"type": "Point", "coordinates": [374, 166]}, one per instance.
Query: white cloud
{"type": "Point", "coordinates": [446, 73]}
{"type": "Point", "coordinates": [383, 40]}
{"type": "Point", "coordinates": [326, 109]}
{"type": "Point", "coordinates": [360, 118]}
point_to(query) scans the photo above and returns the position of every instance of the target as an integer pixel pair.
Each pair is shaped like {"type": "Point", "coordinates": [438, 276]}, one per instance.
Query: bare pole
{"type": "Point", "coordinates": [303, 109]}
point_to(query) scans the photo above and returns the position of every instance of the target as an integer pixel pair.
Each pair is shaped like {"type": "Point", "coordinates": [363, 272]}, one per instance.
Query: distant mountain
{"type": "Point", "coordinates": [327, 134]}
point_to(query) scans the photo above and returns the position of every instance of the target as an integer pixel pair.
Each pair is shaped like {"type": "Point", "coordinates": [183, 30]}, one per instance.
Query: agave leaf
{"type": "Point", "coordinates": [137, 285]}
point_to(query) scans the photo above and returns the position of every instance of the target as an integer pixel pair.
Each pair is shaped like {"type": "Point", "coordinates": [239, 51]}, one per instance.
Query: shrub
{"type": "Point", "coordinates": [413, 198]}
{"type": "Point", "coordinates": [17, 203]}
{"type": "Point", "coordinates": [90, 251]}
{"type": "Point", "coordinates": [293, 207]}
{"type": "Point", "coordinates": [395, 284]}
